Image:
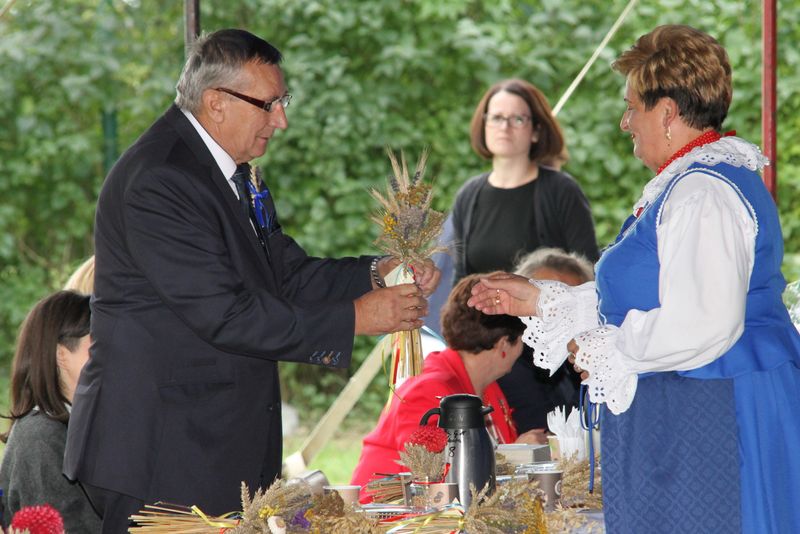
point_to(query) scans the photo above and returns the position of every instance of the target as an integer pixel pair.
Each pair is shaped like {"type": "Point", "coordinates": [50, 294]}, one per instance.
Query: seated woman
{"type": "Point", "coordinates": [481, 349]}
{"type": "Point", "coordinates": [52, 347]}
{"type": "Point", "coordinates": [530, 390]}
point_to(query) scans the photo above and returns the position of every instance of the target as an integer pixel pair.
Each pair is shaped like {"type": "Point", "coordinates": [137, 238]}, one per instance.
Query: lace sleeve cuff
{"type": "Point", "coordinates": [563, 311]}
{"type": "Point", "coordinates": [608, 380]}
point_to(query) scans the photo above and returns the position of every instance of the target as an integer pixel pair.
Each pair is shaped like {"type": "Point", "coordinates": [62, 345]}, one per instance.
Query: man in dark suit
{"type": "Point", "coordinates": [198, 295]}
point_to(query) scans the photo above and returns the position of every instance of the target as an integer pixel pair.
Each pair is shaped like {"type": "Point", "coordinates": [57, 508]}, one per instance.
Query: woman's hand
{"type": "Point", "coordinates": [426, 276]}
{"type": "Point", "coordinates": [505, 293]}
{"type": "Point", "coordinates": [534, 436]}
{"type": "Point", "coordinates": [573, 349]}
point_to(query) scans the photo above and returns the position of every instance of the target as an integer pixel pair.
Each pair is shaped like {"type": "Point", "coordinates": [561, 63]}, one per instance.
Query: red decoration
{"type": "Point", "coordinates": [42, 519]}
{"type": "Point", "coordinates": [432, 438]}
{"type": "Point", "coordinates": [704, 139]}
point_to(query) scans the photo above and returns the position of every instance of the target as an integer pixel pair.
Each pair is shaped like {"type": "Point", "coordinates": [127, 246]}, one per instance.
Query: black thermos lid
{"type": "Point", "coordinates": [462, 411]}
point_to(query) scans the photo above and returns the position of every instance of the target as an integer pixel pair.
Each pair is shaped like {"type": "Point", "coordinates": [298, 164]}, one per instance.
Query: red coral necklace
{"type": "Point", "coordinates": [704, 139]}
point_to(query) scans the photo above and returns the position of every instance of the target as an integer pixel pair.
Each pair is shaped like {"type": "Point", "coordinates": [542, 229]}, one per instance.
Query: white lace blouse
{"type": "Point", "coordinates": [706, 245]}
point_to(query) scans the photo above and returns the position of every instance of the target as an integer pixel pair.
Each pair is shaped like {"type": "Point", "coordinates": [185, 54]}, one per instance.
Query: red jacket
{"type": "Point", "coordinates": [443, 374]}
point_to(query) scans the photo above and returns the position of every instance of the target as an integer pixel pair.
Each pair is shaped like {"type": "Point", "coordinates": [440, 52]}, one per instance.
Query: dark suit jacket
{"type": "Point", "coordinates": [180, 400]}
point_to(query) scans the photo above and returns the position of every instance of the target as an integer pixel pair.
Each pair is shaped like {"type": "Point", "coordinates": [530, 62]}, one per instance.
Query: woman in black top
{"type": "Point", "coordinates": [523, 203]}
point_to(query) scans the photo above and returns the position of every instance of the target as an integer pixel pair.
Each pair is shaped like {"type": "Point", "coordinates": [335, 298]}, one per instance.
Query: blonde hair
{"type": "Point", "coordinates": [82, 280]}
{"type": "Point", "coordinates": [684, 64]}
{"type": "Point", "coordinates": [557, 260]}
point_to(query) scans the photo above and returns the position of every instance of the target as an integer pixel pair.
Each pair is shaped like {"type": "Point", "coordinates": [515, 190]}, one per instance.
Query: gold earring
{"type": "Point", "coordinates": [669, 134]}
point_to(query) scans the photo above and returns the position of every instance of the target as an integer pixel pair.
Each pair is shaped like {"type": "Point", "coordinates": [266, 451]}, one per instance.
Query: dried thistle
{"type": "Point", "coordinates": [422, 463]}
{"type": "Point", "coordinates": [409, 226]}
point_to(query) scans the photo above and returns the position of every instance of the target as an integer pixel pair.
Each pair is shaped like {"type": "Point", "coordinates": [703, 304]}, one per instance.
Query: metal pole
{"type": "Point", "coordinates": [191, 11]}
{"type": "Point", "coordinates": [108, 115]}
{"type": "Point", "coordinates": [769, 95]}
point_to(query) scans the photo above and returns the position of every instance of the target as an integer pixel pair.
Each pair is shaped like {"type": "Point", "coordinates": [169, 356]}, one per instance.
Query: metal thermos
{"type": "Point", "coordinates": [469, 451]}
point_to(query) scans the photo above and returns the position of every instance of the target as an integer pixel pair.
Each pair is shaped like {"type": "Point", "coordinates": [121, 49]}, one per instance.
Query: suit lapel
{"type": "Point", "coordinates": [213, 173]}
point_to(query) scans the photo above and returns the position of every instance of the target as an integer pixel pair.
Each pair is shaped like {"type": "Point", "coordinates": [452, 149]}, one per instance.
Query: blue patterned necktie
{"type": "Point", "coordinates": [255, 199]}
{"type": "Point", "coordinates": [249, 204]}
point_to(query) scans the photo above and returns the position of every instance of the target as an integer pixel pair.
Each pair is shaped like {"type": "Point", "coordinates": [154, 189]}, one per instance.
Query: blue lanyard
{"type": "Point", "coordinates": [590, 420]}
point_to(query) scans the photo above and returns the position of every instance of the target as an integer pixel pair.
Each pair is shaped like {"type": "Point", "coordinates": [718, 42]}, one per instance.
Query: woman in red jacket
{"type": "Point", "coordinates": [480, 349]}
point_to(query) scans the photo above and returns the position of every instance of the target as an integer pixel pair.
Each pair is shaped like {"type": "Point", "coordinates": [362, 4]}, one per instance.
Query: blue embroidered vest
{"type": "Point", "coordinates": [627, 278]}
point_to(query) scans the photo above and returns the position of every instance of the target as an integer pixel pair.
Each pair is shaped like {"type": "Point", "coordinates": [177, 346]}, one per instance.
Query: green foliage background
{"type": "Point", "coordinates": [364, 74]}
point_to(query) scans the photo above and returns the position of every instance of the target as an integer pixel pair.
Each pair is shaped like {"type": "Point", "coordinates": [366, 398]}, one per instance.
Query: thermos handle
{"type": "Point", "coordinates": [485, 410]}
{"type": "Point", "coordinates": [428, 414]}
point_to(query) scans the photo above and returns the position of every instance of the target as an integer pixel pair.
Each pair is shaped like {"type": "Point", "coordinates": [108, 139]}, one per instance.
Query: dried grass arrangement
{"type": "Point", "coordinates": [280, 509]}
{"type": "Point", "coordinates": [423, 464]}
{"type": "Point", "coordinates": [387, 490]}
{"type": "Point", "coordinates": [409, 228]}
{"type": "Point", "coordinates": [423, 453]}
{"type": "Point", "coordinates": [409, 225]}
{"type": "Point", "coordinates": [575, 484]}
{"type": "Point", "coordinates": [515, 508]}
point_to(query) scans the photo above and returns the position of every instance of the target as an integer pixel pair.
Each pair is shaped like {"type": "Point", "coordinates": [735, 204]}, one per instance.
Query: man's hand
{"type": "Point", "coordinates": [390, 309]}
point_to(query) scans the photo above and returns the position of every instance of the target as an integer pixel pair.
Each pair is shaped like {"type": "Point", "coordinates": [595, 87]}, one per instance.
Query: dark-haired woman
{"type": "Point", "coordinates": [480, 350]}
{"type": "Point", "coordinates": [52, 347]}
{"type": "Point", "coordinates": [523, 203]}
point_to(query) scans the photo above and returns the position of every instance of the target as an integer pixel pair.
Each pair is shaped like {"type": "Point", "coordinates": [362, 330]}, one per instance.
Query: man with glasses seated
{"type": "Point", "coordinates": [198, 295]}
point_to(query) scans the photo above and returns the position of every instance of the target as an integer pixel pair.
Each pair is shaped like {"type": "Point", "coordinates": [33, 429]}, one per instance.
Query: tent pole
{"type": "Point", "coordinates": [191, 16]}
{"type": "Point", "coordinates": [769, 95]}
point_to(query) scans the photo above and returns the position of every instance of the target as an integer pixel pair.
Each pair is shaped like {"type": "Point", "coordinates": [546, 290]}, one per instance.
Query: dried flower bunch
{"type": "Point", "coordinates": [409, 226]}
{"type": "Point", "coordinates": [423, 464]}
{"type": "Point", "coordinates": [289, 502]}
{"type": "Point", "coordinates": [515, 508]}
{"type": "Point", "coordinates": [280, 509]}
{"type": "Point", "coordinates": [422, 453]}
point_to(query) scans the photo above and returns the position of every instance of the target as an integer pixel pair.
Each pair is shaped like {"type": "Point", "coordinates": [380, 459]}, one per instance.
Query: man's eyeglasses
{"type": "Point", "coordinates": [261, 104]}
{"type": "Point", "coordinates": [514, 121]}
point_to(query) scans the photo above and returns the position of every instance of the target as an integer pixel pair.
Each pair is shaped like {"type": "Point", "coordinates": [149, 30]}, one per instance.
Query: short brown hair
{"type": "Point", "coordinates": [60, 319]}
{"type": "Point", "coordinates": [549, 149]}
{"type": "Point", "coordinates": [465, 328]}
{"type": "Point", "coordinates": [684, 64]}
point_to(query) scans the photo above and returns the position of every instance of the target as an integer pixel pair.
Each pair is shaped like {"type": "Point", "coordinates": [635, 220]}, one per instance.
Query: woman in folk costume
{"type": "Point", "coordinates": [693, 355]}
